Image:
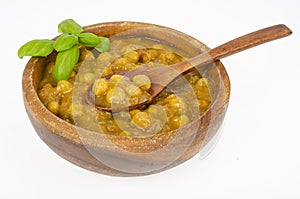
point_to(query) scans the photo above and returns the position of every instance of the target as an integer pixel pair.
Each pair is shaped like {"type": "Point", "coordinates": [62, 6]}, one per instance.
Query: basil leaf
{"type": "Point", "coordinates": [38, 47]}
{"type": "Point", "coordinates": [69, 26]}
{"type": "Point", "coordinates": [65, 62]}
{"type": "Point", "coordinates": [89, 39]}
{"type": "Point", "coordinates": [104, 45]}
{"type": "Point", "coordinates": [64, 42]}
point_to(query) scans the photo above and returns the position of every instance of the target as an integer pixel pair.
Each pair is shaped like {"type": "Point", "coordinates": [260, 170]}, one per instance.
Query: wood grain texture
{"type": "Point", "coordinates": [128, 156]}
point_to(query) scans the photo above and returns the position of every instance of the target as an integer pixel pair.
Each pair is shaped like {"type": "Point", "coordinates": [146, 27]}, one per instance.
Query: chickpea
{"type": "Point", "coordinates": [178, 121]}
{"type": "Point", "coordinates": [63, 86]}
{"type": "Point", "coordinates": [105, 57]}
{"type": "Point", "coordinates": [48, 94]}
{"type": "Point", "coordinates": [203, 94]}
{"type": "Point", "coordinates": [87, 78]}
{"type": "Point", "coordinates": [201, 83]}
{"type": "Point", "coordinates": [168, 58]}
{"type": "Point", "coordinates": [53, 106]}
{"type": "Point", "coordinates": [66, 100]}
{"type": "Point", "coordinates": [129, 66]}
{"type": "Point", "coordinates": [153, 53]}
{"type": "Point", "coordinates": [103, 116]}
{"type": "Point", "coordinates": [193, 79]}
{"type": "Point", "coordinates": [133, 112]}
{"type": "Point", "coordinates": [134, 100]}
{"type": "Point", "coordinates": [121, 61]}
{"type": "Point", "coordinates": [107, 71]}
{"type": "Point", "coordinates": [142, 81]}
{"type": "Point", "coordinates": [116, 67]}
{"type": "Point", "coordinates": [47, 79]}
{"type": "Point", "coordinates": [99, 86]}
{"type": "Point", "coordinates": [158, 113]}
{"type": "Point", "coordinates": [116, 95]}
{"type": "Point", "coordinates": [184, 120]}
{"type": "Point", "coordinates": [175, 103]}
{"type": "Point", "coordinates": [133, 56]}
{"type": "Point", "coordinates": [65, 111]}
{"type": "Point", "coordinates": [118, 78]}
{"type": "Point", "coordinates": [133, 91]}
{"type": "Point", "coordinates": [142, 120]}
{"type": "Point", "coordinates": [170, 97]}
{"type": "Point", "coordinates": [86, 55]}
{"type": "Point", "coordinates": [203, 105]}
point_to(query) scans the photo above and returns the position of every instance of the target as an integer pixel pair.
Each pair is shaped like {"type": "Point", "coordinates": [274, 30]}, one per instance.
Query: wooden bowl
{"type": "Point", "coordinates": [129, 156]}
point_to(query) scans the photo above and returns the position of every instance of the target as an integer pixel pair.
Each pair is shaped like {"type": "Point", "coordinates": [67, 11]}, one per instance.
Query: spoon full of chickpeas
{"type": "Point", "coordinates": [143, 84]}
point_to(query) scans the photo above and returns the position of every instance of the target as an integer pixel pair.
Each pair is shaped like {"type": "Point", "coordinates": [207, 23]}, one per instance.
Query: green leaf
{"type": "Point", "coordinates": [38, 47]}
{"type": "Point", "coordinates": [69, 26]}
{"type": "Point", "coordinates": [64, 42]}
{"type": "Point", "coordinates": [89, 39]}
{"type": "Point", "coordinates": [65, 62]}
{"type": "Point", "coordinates": [104, 45]}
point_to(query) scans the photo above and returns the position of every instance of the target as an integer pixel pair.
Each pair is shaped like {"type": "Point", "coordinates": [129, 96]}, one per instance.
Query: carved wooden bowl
{"type": "Point", "coordinates": [122, 155]}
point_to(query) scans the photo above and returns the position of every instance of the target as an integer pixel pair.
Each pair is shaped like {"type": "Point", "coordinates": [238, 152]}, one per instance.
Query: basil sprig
{"type": "Point", "coordinates": [67, 45]}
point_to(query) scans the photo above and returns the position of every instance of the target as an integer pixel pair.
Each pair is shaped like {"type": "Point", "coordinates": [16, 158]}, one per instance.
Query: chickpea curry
{"type": "Point", "coordinates": [120, 90]}
{"type": "Point", "coordinates": [183, 101]}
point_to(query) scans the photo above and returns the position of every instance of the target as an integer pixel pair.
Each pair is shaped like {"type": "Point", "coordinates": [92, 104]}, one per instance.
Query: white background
{"type": "Point", "coordinates": [258, 152]}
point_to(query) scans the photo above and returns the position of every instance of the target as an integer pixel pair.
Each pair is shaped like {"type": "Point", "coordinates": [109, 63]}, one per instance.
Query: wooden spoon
{"type": "Point", "coordinates": [161, 76]}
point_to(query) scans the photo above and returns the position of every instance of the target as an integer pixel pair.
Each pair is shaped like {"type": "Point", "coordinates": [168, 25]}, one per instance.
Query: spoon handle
{"type": "Point", "coordinates": [236, 45]}
{"type": "Point", "coordinates": [250, 40]}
